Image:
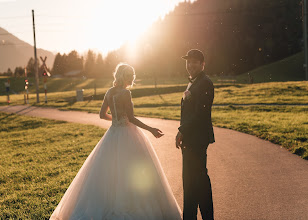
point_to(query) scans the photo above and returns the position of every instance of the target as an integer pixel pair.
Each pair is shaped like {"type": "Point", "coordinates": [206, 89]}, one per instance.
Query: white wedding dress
{"type": "Point", "coordinates": [122, 179]}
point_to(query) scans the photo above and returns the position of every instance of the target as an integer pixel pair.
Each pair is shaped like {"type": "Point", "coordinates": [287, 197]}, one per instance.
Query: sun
{"type": "Point", "coordinates": [115, 22]}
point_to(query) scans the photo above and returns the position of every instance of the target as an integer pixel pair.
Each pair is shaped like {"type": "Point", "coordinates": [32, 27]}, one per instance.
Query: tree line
{"type": "Point", "coordinates": [235, 35]}
{"type": "Point", "coordinates": [91, 65]}
{"type": "Point", "coordinates": [20, 71]}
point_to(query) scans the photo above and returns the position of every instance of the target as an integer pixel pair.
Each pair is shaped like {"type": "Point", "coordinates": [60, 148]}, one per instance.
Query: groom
{"type": "Point", "coordinates": [194, 135]}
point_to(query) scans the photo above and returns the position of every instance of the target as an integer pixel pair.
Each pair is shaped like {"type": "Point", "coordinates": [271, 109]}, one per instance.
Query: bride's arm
{"type": "Point", "coordinates": [131, 117]}
{"type": "Point", "coordinates": [103, 112]}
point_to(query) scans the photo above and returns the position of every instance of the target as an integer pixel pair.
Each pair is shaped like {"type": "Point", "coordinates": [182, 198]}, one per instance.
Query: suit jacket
{"type": "Point", "coordinates": [196, 123]}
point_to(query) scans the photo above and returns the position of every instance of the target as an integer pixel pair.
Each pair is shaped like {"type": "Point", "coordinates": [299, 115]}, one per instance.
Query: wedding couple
{"type": "Point", "coordinates": [122, 179]}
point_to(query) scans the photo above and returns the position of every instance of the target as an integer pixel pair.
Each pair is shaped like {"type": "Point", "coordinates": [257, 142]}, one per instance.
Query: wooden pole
{"type": "Point", "coordinates": [35, 63]}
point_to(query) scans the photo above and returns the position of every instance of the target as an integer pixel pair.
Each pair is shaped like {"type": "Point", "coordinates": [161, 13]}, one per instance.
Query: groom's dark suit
{"type": "Point", "coordinates": [197, 130]}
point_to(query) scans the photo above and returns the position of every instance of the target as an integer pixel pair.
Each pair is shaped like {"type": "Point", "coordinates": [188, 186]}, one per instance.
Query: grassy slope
{"type": "Point", "coordinates": [288, 69]}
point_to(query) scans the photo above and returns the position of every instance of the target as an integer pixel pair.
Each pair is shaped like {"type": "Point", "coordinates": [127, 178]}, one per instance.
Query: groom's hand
{"type": "Point", "coordinates": [178, 140]}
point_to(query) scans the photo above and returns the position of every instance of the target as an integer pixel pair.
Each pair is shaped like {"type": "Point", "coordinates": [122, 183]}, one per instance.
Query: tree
{"type": "Point", "coordinates": [66, 63]}
{"type": "Point", "coordinates": [100, 70]}
{"type": "Point", "coordinates": [9, 72]}
{"type": "Point", "coordinates": [235, 35]}
{"type": "Point", "coordinates": [57, 65]}
{"type": "Point", "coordinates": [89, 66]}
{"type": "Point", "coordinates": [31, 67]}
{"type": "Point", "coordinates": [73, 61]}
{"type": "Point", "coordinates": [19, 72]}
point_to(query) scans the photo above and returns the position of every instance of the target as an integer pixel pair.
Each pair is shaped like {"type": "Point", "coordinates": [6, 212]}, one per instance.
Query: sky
{"type": "Point", "coordinates": [66, 25]}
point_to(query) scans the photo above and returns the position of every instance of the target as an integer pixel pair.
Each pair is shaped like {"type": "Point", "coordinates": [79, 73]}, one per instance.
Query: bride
{"type": "Point", "coordinates": [122, 179]}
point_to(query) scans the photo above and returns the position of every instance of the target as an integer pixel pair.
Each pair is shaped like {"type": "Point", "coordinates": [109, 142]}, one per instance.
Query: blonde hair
{"type": "Point", "coordinates": [122, 73]}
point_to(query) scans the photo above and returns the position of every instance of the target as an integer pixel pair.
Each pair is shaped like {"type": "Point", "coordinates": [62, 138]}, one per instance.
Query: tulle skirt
{"type": "Point", "coordinates": [122, 179]}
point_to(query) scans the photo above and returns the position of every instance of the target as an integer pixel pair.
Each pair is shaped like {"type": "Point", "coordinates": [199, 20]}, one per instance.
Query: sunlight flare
{"type": "Point", "coordinates": [141, 177]}
{"type": "Point", "coordinates": [114, 23]}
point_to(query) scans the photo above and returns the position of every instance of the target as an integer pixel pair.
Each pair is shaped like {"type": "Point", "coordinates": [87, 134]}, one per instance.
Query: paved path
{"type": "Point", "coordinates": [251, 178]}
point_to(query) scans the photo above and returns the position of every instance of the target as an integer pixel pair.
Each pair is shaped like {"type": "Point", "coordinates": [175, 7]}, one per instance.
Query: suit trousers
{"type": "Point", "coordinates": [196, 184]}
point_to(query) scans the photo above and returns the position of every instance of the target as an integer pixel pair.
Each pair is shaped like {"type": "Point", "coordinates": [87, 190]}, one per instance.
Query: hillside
{"type": "Point", "coordinates": [235, 36]}
{"type": "Point", "coordinates": [15, 52]}
{"type": "Point", "coordinates": [287, 69]}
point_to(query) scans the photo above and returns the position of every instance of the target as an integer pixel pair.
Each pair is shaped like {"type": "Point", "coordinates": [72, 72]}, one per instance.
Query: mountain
{"type": "Point", "coordinates": [15, 52]}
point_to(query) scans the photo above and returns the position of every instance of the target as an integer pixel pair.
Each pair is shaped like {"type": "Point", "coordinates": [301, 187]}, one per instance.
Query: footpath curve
{"type": "Point", "coordinates": [251, 178]}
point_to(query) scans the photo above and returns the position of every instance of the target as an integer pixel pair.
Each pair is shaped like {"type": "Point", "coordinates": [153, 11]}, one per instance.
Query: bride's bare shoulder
{"type": "Point", "coordinates": [119, 92]}
{"type": "Point", "coordinates": [127, 92]}
{"type": "Point", "coordinates": [111, 91]}
{"type": "Point", "coordinates": [124, 94]}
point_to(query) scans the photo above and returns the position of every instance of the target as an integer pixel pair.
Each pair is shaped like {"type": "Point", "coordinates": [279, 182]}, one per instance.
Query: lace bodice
{"type": "Point", "coordinates": [120, 104]}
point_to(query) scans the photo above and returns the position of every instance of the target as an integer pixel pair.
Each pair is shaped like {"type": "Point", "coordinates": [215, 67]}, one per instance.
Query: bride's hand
{"type": "Point", "coordinates": [156, 132]}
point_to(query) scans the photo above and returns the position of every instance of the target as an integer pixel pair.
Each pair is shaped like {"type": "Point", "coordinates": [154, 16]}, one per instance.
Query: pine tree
{"type": "Point", "coordinates": [89, 66]}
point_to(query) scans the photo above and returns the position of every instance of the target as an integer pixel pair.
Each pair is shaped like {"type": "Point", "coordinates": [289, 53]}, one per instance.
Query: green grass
{"type": "Point", "coordinates": [38, 160]}
{"type": "Point", "coordinates": [269, 93]}
{"type": "Point", "coordinates": [261, 121]}
{"type": "Point", "coordinates": [73, 84]}
{"type": "Point", "coordinates": [263, 93]}
{"type": "Point", "coordinates": [283, 125]}
{"type": "Point", "coordinates": [53, 84]}
{"type": "Point", "coordinates": [169, 95]}
{"type": "Point", "coordinates": [287, 69]}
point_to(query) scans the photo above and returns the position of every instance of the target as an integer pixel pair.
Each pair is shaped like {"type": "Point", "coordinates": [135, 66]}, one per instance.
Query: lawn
{"type": "Point", "coordinates": [38, 160]}
{"type": "Point", "coordinates": [170, 94]}
{"type": "Point", "coordinates": [242, 107]}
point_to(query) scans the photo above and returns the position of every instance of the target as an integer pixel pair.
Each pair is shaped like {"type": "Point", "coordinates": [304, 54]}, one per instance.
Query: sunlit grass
{"type": "Point", "coordinates": [73, 84]}
{"type": "Point", "coordinates": [54, 84]}
{"type": "Point", "coordinates": [266, 122]}
{"type": "Point", "coordinates": [264, 93]}
{"type": "Point", "coordinates": [273, 92]}
{"type": "Point", "coordinates": [38, 160]}
{"type": "Point", "coordinates": [69, 97]}
{"type": "Point", "coordinates": [283, 125]}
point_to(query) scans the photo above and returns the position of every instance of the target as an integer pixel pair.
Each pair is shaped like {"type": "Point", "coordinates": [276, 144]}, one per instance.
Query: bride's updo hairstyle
{"type": "Point", "coordinates": [123, 74]}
